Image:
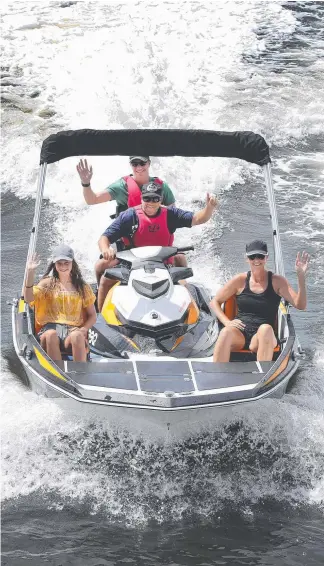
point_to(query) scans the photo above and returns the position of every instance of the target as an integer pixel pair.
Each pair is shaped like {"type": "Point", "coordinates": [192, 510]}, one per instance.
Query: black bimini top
{"type": "Point", "coordinates": [188, 143]}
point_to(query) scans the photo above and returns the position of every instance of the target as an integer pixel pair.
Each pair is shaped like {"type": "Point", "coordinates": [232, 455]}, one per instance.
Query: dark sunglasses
{"type": "Point", "coordinates": [151, 199]}
{"type": "Point", "coordinates": [138, 162]}
{"type": "Point", "coordinates": [256, 256]}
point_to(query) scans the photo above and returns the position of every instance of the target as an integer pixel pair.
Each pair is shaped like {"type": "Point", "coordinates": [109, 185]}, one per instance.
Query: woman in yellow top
{"type": "Point", "coordinates": [64, 305]}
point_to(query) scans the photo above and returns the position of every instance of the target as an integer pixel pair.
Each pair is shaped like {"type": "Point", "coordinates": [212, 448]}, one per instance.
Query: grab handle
{"type": "Point", "coordinates": [186, 249]}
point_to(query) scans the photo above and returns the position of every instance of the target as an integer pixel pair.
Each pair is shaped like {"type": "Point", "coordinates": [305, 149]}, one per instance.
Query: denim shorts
{"type": "Point", "coordinates": [62, 330]}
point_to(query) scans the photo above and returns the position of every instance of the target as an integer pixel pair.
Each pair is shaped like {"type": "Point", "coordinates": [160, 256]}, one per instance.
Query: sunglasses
{"type": "Point", "coordinates": [256, 256]}
{"type": "Point", "coordinates": [151, 199]}
{"type": "Point", "coordinates": [138, 162]}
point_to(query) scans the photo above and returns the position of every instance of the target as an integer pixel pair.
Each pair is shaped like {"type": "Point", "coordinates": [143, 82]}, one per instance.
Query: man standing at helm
{"type": "Point", "coordinates": [127, 190]}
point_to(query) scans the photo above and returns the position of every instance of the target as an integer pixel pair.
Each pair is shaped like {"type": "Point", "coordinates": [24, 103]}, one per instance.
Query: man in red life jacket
{"type": "Point", "coordinates": [149, 224]}
{"type": "Point", "coordinates": [127, 190]}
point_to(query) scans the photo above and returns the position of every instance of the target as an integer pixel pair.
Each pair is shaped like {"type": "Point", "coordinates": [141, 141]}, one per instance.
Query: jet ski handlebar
{"type": "Point", "coordinates": [136, 258]}
{"type": "Point", "coordinates": [184, 249]}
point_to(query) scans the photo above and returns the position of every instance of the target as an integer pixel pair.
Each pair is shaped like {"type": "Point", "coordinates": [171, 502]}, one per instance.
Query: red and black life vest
{"type": "Point", "coordinates": [151, 230]}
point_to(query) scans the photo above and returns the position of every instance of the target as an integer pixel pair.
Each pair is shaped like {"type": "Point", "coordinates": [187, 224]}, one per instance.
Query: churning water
{"type": "Point", "coordinates": [251, 491]}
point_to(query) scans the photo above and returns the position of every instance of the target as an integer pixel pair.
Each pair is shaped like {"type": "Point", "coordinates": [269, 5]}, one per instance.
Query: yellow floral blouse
{"type": "Point", "coordinates": [61, 307]}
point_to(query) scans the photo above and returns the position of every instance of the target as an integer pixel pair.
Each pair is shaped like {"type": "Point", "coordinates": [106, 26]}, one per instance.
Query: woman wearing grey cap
{"type": "Point", "coordinates": [258, 293]}
{"type": "Point", "coordinates": [64, 305]}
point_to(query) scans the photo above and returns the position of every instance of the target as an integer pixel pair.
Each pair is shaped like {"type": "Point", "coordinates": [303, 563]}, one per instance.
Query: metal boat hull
{"type": "Point", "coordinates": [151, 422]}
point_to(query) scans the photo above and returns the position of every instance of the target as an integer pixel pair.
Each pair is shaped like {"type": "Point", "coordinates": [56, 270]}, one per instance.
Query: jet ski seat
{"type": "Point", "coordinates": [230, 309]}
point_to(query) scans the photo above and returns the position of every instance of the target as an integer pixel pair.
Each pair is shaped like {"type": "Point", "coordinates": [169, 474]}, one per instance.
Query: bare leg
{"type": "Point", "coordinates": [263, 343]}
{"type": "Point", "coordinates": [103, 264]}
{"type": "Point", "coordinates": [77, 340]}
{"type": "Point", "coordinates": [180, 260]}
{"type": "Point", "coordinates": [104, 284]}
{"type": "Point", "coordinates": [229, 339]}
{"type": "Point", "coordinates": [104, 288]}
{"type": "Point", "coordinates": [51, 344]}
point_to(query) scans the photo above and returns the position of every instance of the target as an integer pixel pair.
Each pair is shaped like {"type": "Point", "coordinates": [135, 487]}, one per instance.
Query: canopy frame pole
{"type": "Point", "coordinates": [276, 234]}
{"type": "Point", "coordinates": [278, 257]}
{"type": "Point", "coordinates": [35, 225]}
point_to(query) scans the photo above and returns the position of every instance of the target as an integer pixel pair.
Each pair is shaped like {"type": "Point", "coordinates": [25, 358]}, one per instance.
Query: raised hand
{"type": "Point", "coordinates": [211, 201]}
{"type": "Point", "coordinates": [33, 263]}
{"type": "Point", "coordinates": [302, 262]}
{"type": "Point", "coordinates": [85, 171]}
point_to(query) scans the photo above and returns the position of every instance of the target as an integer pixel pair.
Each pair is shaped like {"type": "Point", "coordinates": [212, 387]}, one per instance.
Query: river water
{"type": "Point", "coordinates": [250, 491]}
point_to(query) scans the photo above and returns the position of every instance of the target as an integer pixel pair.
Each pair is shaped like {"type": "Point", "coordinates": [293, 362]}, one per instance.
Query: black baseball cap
{"type": "Point", "coordinates": [256, 247]}
{"type": "Point", "coordinates": [141, 157]}
{"type": "Point", "coordinates": [152, 190]}
{"type": "Point", "coordinates": [62, 252]}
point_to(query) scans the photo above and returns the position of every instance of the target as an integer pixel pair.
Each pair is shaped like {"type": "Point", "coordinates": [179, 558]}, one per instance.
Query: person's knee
{"type": "Point", "coordinates": [265, 333]}
{"type": "Point", "coordinates": [225, 334]}
{"type": "Point", "coordinates": [180, 260]}
{"type": "Point", "coordinates": [77, 338]}
{"type": "Point", "coordinates": [103, 264]}
{"type": "Point", "coordinates": [265, 330]}
{"type": "Point", "coordinates": [51, 336]}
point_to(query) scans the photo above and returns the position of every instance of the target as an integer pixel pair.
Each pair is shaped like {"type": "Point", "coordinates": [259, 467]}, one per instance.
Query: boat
{"type": "Point", "coordinates": [150, 365]}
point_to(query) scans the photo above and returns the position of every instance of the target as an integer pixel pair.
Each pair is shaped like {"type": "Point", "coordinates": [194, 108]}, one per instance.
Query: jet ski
{"type": "Point", "coordinates": [150, 365]}
{"type": "Point", "coordinates": [150, 300]}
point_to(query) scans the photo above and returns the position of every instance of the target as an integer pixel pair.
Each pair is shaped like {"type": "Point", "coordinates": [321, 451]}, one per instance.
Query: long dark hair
{"type": "Point", "coordinates": [76, 277]}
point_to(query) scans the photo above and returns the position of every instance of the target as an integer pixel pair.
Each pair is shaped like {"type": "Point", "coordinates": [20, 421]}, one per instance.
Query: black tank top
{"type": "Point", "coordinates": [258, 308]}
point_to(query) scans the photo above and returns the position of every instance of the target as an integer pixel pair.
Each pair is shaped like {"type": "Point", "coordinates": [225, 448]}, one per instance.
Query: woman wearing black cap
{"type": "Point", "coordinates": [258, 293]}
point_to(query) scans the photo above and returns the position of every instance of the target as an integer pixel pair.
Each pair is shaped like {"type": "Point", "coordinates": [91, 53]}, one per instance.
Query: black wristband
{"type": "Point", "coordinates": [85, 184]}
{"type": "Point", "coordinates": [29, 286]}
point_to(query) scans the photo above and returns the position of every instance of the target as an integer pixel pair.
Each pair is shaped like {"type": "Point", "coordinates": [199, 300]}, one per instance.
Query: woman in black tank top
{"type": "Point", "coordinates": [258, 293]}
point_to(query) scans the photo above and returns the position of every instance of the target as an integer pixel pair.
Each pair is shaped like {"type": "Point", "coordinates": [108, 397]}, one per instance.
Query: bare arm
{"type": "Point", "coordinates": [105, 247]}
{"type": "Point", "coordinates": [30, 279]}
{"type": "Point", "coordinates": [85, 174]}
{"type": "Point", "coordinates": [91, 317]}
{"type": "Point", "coordinates": [95, 198]}
{"type": "Point", "coordinates": [299, 299]}
{"type": "Point", "coordinates": [228, 290]}
{"type": "Point", "coordinates": [205, 214]}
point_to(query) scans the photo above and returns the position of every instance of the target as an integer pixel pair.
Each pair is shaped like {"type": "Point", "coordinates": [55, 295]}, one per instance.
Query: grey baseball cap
{"type": "Point", "coordinates": [62, 252]}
